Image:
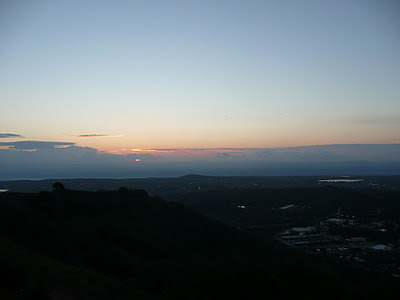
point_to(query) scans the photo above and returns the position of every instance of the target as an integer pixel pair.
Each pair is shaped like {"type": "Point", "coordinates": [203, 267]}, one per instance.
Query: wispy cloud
{"type": "Point", "coordinates": [187, 153]}
{"type": "Point", "coordinates": [395, 119]}
{"type": "Point", "coordinates": [95, 135]}
{"type": "Point", "coordinates": [193, 150]}
{"type": "Point", "coordinates": [10, 135]}
{"type": "Point", "coordinates": [35, 145]}
{"type": "Point", "coordinates": [203, 149]}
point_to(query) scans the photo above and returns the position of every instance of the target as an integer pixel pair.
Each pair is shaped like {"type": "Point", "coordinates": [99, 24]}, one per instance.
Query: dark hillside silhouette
{"type": "Point", "coordinates": [127, 244]}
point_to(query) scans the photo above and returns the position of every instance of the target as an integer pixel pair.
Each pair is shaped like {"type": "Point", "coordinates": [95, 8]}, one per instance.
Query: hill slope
{"type": "Point", "coordinates": [128, 245]}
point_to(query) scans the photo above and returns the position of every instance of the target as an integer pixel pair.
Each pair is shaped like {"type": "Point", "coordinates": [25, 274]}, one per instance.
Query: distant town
{"type": "Point", "coordinates": [367, 242]}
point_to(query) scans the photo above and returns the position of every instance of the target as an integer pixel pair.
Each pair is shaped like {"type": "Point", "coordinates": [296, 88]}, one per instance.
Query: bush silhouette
{"type": "Point", "coordinates": [58, 186]}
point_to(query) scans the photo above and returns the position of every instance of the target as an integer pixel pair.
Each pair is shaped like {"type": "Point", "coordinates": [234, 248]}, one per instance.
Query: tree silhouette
{"type": "Point", "coordinates": [58, 186]}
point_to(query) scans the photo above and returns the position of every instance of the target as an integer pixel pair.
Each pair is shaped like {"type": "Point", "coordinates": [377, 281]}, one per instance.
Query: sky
{"type": "Point", "coordinates": [196, 80]}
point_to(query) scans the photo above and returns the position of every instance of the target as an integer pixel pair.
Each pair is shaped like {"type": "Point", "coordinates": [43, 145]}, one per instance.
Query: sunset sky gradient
{"type": "Point", "coordinates": [159, 75]}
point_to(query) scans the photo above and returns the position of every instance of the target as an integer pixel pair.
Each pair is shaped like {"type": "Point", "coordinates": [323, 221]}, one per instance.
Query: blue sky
{"type": "Point", "coordinates": [200, 74]}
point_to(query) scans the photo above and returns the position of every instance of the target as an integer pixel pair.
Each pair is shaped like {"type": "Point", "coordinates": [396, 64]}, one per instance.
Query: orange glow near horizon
{"type": "Point", "coordinates": [185, 154]}
{"type": "Point", "coordinates": [169, 143]}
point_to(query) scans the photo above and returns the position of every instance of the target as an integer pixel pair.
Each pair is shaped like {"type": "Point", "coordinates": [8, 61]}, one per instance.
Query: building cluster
{"type": "Point", "coordinates": [368, 245]}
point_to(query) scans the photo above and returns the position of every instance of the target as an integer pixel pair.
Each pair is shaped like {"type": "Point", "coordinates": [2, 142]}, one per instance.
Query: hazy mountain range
{"type": "Point", "coordinates": [34, 160]}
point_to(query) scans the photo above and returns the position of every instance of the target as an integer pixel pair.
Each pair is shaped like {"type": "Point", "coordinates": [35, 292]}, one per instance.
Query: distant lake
{"type": "Point", "coordinates": [340, 180]}
{"type": "Point", "coordinates": [2, 191]}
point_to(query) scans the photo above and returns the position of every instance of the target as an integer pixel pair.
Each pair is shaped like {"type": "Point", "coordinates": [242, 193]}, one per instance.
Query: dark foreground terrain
{"type": "Point", "coordinates": [216, 244]}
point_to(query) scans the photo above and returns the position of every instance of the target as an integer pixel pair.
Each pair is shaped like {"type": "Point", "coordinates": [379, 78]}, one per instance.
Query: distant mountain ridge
{"type": "Point", "coordinates": [84, 162]}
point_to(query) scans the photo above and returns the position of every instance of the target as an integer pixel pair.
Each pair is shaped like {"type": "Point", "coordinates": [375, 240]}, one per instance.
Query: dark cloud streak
{"type": "Point", "coordinates": [10, 135]}
{"type": "Point", "coordinates": [94, 135]}
{"type": "Point", "coordinates": [35, 145]}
